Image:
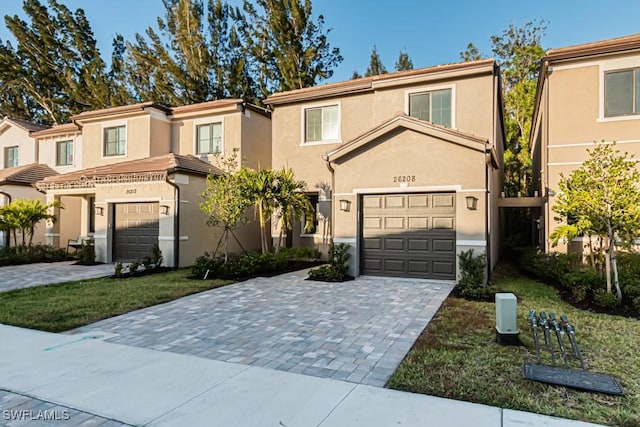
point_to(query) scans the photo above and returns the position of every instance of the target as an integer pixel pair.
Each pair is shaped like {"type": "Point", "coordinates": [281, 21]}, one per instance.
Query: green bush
{"type": "Point", "coordinates": [472, 274]}
{"type": "Point", "coordinates": [336, 270]}
{"type": "Point", "coordinates": [604, 299]}
{"type": "Point", "coordinates": [87, 253]}
{"type": "Point", "coordinates": [550, 267]}
{"type": "Point", "coordinates": [16, 255]}
{"type": "Point", "coordinates": [582, 284]}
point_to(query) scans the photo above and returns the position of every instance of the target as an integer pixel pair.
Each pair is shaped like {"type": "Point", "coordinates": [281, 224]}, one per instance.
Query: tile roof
{"type": "Point", "coordinates": [26, 174]}
{"type": "Point", "coordinates": [366, 83]}
{"type": "Point", "coordinates": [28, 126]}
{"type": "Point", "coordinates": [57, 130]}
{"type": "Point", "coordinates": [168, 163]}
{"type": "Point", "coordinates": [124, 109]}
{"type": "Point", "coordinates": [617, 44]}
{"type": "Point", "coordinates": [219, 103]}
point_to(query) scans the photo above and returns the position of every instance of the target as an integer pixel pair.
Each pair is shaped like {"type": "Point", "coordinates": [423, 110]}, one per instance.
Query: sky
{"type": "Point", "coordinates": [431, 32]}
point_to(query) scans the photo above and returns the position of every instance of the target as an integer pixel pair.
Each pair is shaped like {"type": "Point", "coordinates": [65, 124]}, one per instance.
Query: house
{"type": "Point", "coordinates": [19, 168]}
{"type": "Point", "coordinates": [143, 168]}
{"type": "Point", "coordinates": [405, 167]}
{"type": "Point", "coordinates": [586, 93]}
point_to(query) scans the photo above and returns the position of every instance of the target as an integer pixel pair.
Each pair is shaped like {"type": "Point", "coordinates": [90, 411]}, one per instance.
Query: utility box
{"type": "Point", "coordinates": [507, 319]}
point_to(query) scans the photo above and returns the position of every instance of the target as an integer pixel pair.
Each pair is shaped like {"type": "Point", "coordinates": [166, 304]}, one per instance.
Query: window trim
{"type": "Point", "coordinates": [605, 67]}
{"type": "Point", "coordinates": [424, 89]}
{"type": "Point", "coordinates": [17, 156]}
{"type": "Point", "coordinates": [303, 123]}
{"type": "Point", "coordinates": [58, 142]}
{"type": "Point", "coordinates": [112, 125]}
{"type": "Point", "coordinates": [205, 121]}
{"type": "Point", "coordinates": [197, 128]}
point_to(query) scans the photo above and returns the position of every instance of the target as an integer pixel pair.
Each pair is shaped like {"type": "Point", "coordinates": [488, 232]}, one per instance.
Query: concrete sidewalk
{"type": "Point", "coordinates": [143, 387]}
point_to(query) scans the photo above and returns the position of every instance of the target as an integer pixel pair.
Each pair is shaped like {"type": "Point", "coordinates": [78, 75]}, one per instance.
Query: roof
{"type": "Point", "coordinates": [168, 163]}
{"type": "Point", "coordinates": [23, 124]}
{"type": "Point", "coordinates": [615, 45]}
{"type": "Point", "coordinates": [57, 130]}
{"type": "Point", "coordinates": [125, 109]}
{"type": "Point", "coordinates": [369, 83]}
{"type": "Point", "coordinates": [203, 106]}
{"type": "Point", "coordinates": [26, 174]}
{"type": "Point", "coordinates": [403, 121]}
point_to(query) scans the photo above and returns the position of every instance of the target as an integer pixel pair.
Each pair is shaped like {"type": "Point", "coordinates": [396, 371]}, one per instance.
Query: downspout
{"type": "Point", "coordinates": [176, 223]}
{"type": "Point", "coordinates": [333, 190]}
{"type": "Point", "coordinates": [7, 236]}
{"type": "Point", "coordinates": [486, 211]}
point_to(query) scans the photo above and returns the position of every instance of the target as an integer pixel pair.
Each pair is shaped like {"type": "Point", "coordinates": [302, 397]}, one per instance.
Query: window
{"type": "Point", "coordinates": [209, 138]}
{"type": "Point", "coordinates": [434, 106]}
{"type": "Point", "coordinates": [115, 141]}
{"type": "Point", "coordinates": [11, 157]}
{"type": "Point", "coordinates": [64, 153]}
{"type": "Point", "coordinates": [313, 199]}
{"type": "Point", "coordinates": [322, 124]}
{"type": "Point", "coordinates": [622, 93]}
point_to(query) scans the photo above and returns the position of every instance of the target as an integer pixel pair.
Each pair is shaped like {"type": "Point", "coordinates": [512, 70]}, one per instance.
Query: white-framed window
{"type": "Point", "coordinates": [115, 141]}
{"type": "Point", "coordinates": [435, 106]}
{"type": "Point", "coordinates": [622, 92]}
{"type": "Point", "coordinates": [11, 157]}
{"type": "Point", "coordinates": [322, 124]}
{"type": "Point", "coordinates": [209, 138]}
{"type": "Point", "coordinates": [64, 153]}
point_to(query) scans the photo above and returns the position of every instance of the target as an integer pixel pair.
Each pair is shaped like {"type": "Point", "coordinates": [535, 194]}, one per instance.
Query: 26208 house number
{"type": "Point", "coordinates": [404, 178]}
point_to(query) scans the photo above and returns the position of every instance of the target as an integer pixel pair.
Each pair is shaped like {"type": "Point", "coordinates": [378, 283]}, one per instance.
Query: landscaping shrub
{"type": "Point", "coordinates": [16, 255]}
{"type": "Point", "coordinates": [582, 284]}
{"type": "Point", "coordinates": [472, 274]}
{"type": "Point", "coordinates": [150, 264]}
{"type": "Point", "coordinates": [87, 253]}
{"type": "Point", "coordinates": [604, 299]}
{"type": "Point", "coordinates": [336, 270]}
{"type": "Point", "coordinates": [549, 267]}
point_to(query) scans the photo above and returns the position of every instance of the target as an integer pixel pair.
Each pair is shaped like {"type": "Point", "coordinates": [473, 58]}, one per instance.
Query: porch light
{"type": "Point", "coordinates": [472, 203]}
{"type": "Point", "coordinates": [345, 205]}
{"type": "Point", "coordinates": [99, 210]}
{"type": "Point", "coordinates": [164, 209]}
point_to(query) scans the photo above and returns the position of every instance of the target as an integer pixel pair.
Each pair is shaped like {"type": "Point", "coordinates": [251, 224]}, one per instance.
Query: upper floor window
{"type": "Point", "coordinates": [64, 153]}
{"type": "Point", "coordinates": [209, 138]}
{"type": "Point", "coordinates": [622, 93]}
{"type": "Point", "coordinates": [11, 157]}
{"type": "Point", "coordinates": [115, 141]}
{"type": "Point", "coordinates": [433, 106]}
{"type": "Point", "coordinates": [322, 124]}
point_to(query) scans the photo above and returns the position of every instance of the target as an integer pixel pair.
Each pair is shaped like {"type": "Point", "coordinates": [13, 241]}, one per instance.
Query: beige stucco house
{"type": "Point", "coordinates": [405, 167]}
{"type": "Point", "coordinates": [144, 167]}
{"type": "Point", "coordinates": [586, 93]}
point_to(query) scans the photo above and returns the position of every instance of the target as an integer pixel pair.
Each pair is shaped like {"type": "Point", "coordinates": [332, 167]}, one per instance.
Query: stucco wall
{"type": "Point", "coordinates": [184, 132]}
{"type": "Point", "coordinates": [47, 149]}
{"type": "Point", "coordinates": [138, 141]}
{"type": "Point", "coordinates": [14, 136]}
{"type": "Point", "coordinates": [256, 140]}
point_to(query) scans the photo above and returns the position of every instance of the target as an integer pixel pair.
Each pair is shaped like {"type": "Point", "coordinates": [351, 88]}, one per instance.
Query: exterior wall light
{"type": "Point", "coordinates": [99, 210]}
{"type": "Point", "coordinates": [472, 203]}
{"type": "Point", "coordinates": [345, 205]}
{"type": "Point", "coordinates": [164, 209]}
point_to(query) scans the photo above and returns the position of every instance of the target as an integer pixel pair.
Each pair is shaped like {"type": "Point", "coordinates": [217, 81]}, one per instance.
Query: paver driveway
{"type": "Point", "coordinates": [357, 331]}
{"type": "Point", "coordinates": [45, 273]}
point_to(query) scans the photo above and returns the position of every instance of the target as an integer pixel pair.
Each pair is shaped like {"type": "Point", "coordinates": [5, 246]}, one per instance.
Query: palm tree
{"type": "Point", "coordinates": [23, 215]}
{"type": "Point", "coordinates": [259, 186]}
{"type": "Point", "coordinates": [292, 203]}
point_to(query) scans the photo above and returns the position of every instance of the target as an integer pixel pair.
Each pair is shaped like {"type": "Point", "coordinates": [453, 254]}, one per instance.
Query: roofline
{"type": "Point", "coordinates": [125, 109]}
{"type": "Point", "coordinates": [58, 130]}
{"type": "Point", "coordinates": [609, 46]}
{"type": "Point", "coordinates": [204, 106]}
{"type": "Point", "coordinates": [18, 124]}
{"type": "Point", "coordinates": [366, 84]}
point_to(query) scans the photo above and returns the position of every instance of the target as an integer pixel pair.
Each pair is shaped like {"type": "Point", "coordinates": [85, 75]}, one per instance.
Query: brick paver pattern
{"type": "Point", "coordinates": [28, 275]}
{"type": "Point", "coordinates": [23, 411]}
{"type": "Point", "coordinates": [357, 331]}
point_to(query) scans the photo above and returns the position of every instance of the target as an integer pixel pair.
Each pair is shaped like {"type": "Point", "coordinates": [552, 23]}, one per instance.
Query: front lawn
{"type": "Point", "coordinates": [65, 306]}
{"type": "Point", "coordinates": [457, 357]}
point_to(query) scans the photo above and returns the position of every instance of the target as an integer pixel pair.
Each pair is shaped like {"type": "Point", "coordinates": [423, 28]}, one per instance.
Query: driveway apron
{"type": "Point", "coordinates": [356, 331]}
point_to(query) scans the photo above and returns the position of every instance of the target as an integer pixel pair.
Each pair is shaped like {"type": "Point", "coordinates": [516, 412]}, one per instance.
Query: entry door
{"type": "Point", "coordinates": [409, 235]}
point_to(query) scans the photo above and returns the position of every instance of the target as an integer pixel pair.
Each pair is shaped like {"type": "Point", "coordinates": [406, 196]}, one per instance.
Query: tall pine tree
{"type": "Point", "coordinates": [404, 63]}
{"type": "Point", "coordinates": [376, 67]}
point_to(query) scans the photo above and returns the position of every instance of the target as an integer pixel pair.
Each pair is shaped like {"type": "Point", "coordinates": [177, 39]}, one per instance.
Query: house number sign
{"type": "Point", "coordinates": [132, 191]}
{"type": "Point", "coordinates": [404, 178]}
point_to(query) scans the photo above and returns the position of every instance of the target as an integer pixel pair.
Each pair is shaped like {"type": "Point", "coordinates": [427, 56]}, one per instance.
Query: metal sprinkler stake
{"type": "Point", "coordinates": [556, 327]}
{"type": "Point", "coordinates": [547, 336]}
{"type": "Point", "coordinates": [533, 319]}
{"type": "Point", "coordinates": [570, 330]}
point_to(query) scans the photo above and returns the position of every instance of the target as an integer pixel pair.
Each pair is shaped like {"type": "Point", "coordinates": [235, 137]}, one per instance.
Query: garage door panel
{"type": "Point", "coordinates": [409, 235]}
{"type": "Point", "coordinates": [137, 230]}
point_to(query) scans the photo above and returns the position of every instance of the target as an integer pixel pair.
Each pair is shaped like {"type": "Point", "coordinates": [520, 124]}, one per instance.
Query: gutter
{"type": "Point", "coordinates": [7, 236]}
{"type": "Point", "coordinates": [176, 224]}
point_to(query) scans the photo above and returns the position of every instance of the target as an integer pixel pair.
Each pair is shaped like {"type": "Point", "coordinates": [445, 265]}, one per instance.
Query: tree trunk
{"type": "Point", "coordinates": [614, 264]}
{"type": "Point", "coordinates": [608, 271]}
{"type": "Point", "coordinates": [226, 244]}
{"type": "Point", "coordinates": [263, 231]}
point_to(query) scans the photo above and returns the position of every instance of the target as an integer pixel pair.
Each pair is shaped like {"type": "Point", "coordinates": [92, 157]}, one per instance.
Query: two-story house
{"type": "Point", "coordinates": [19, 168]}
{"type": "Point", "coordinates": [404, 167]}
{"type": "Point", "coordinates": [144, 167]}
{"type": "Point", "coordinates": [586, 94]}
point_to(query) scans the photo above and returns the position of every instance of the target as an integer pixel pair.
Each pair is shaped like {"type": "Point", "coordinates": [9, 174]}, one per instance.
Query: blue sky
{"type": "Point", "coordinates": [431, 32]}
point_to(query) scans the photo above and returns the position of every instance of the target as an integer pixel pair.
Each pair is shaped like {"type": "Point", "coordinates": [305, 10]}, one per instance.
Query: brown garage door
{"type": "Point", "coordinates": [136, 231]}
{"type": "Point", "coordinates": [409, 235]}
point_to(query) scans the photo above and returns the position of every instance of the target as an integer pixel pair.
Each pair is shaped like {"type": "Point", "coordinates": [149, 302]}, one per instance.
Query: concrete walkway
{"type": "Point", "coordinates": [142, 387]}
{"type": "Point", "coordinates": [357, 331]}
{"type": "Point", "coordinates": [28, 275]}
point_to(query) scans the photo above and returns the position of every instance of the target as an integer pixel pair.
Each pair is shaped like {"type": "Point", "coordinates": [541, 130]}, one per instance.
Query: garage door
{"type": "Point", "coordinates": [136, 231]}
{"type": "Point", "coordinates": [409, 235]}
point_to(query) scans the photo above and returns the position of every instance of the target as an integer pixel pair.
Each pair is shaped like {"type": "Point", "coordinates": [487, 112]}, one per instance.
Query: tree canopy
{"type": "Point", "coordinates": [376, 67]}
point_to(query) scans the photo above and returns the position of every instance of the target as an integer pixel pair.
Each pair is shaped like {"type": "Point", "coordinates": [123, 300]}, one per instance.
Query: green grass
{"type": "Point", "coordinates": [457, 357]}
{"type": "Point", "coordinates": [64, 306]}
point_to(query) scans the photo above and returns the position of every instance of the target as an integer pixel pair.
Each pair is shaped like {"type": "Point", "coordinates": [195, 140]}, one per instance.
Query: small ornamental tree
{"type": "Point", "coordinates": [292, 203]}
{"type": "Point", "coordinates": [603, 197]}
{"type": "Point", "coordinates": [225, 200]}
{"type": "Point", "coordinates": [23, 215]}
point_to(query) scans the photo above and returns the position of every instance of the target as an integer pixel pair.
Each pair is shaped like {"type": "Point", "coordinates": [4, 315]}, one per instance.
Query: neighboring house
{"type": "Point", "coordinates": [17, 146]}
{"type": "Point", "coordinates": [18, 183]}
{"type": "Point", "coordinates": [144, 167]}
{"type": "Point", "coordinates": [586, 93]}
{"type": "Point", "coordinates": [404, 167]}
